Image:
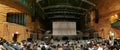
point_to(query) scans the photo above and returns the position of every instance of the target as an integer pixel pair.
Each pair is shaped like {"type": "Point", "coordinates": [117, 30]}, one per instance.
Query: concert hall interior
{"type": "Point", "coordinates": [62, 19]}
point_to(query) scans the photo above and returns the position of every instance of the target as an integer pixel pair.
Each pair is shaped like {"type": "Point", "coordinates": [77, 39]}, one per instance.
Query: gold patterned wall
{"type": "Point", "coordinates": [7, 30]}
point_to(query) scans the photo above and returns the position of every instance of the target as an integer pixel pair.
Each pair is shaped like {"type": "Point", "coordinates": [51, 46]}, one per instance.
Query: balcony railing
{"type": "Point", "coordinates": [116, 24]}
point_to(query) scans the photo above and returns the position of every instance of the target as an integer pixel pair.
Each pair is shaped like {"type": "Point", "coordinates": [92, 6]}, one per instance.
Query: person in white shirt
{"type": "Point", "coordinates": [99, 46]}
{"type": "Point", "coordinates": [1, 46]}
{"type": "Point", "coordinates": [90, 47]}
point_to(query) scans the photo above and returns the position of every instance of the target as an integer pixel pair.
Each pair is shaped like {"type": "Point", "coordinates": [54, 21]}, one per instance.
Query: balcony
{"type": "Point", "coordinates": [116, 24]}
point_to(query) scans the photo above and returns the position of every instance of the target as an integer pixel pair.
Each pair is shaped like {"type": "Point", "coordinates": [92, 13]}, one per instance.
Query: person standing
{"type": "Point", "coordinates": [1, 46]}
{"type": "Point", "coordinates": [99, 46]}
{"type": "Point", "coordinates": [43, 48]}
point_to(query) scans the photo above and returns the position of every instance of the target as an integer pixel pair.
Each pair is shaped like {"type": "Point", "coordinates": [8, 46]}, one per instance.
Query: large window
{"type": "Point", "coordinates": [18, 18]}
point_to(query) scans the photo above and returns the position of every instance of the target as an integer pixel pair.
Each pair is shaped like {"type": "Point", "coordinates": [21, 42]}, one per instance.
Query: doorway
{"type": "Point", "coordinates": [15, 37]}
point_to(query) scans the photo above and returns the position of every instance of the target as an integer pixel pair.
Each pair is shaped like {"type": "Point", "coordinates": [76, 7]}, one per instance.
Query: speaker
{"type": "Point", "coordinates": [96, 16]}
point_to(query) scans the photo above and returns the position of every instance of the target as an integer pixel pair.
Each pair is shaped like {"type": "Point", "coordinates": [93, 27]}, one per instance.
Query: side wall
{"type": "Point", "coordinates": [7, 30]}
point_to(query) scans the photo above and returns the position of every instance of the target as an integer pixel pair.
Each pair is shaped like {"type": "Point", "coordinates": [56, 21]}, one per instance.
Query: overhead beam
{"type": "Point", "coordinates": [64, 12]}
{"type": "Point", "coordinates": [65, 6]}
{"type": "Point", "coordinates": [89, 2]}
{"type": "Point", "coordinates": [38, 1]}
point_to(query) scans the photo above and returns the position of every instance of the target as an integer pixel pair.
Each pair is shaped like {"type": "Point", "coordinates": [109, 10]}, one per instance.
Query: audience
{"type": "Point", "coordinates": [91, 44]}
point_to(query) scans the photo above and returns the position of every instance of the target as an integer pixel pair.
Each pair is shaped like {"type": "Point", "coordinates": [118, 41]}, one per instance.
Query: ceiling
{"type": "Point", "coordinates": [105, 7]}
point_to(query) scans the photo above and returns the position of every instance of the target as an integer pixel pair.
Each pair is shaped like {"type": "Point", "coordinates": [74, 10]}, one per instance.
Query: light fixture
{"type": "Point", "coordinates": [114, 18]}
{"type": "Point", "coordinates": [16, 32]}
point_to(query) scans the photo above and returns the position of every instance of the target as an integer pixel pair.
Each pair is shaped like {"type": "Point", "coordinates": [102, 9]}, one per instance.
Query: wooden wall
{"type": "Point", "coordinates": [8, 29]}
{"type": "Point", "coordinates": [107, 8]}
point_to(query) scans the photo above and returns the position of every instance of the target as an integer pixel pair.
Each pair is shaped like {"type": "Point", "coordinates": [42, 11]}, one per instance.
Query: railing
{"type": "Point", "coordinates": [116, 24]}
